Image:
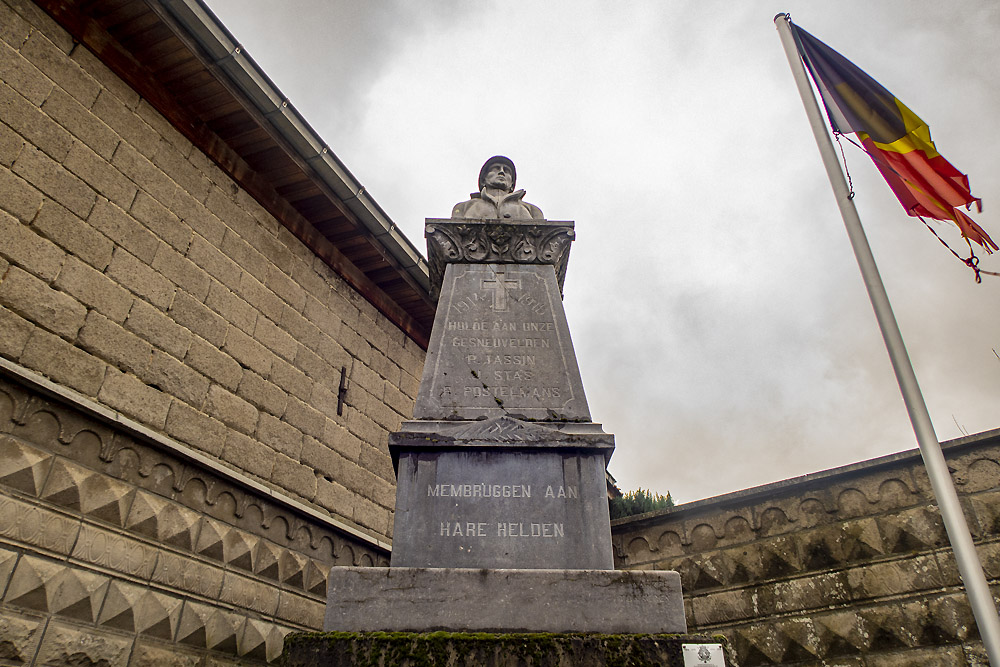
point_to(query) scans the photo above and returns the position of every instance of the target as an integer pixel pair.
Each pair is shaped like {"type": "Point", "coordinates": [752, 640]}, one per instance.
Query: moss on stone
{"type": "Point", "coordinates": [437, 649]}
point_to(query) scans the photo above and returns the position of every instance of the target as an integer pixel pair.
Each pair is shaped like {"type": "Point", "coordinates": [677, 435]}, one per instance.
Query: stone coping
{"type": "Point", "coordinates": [954, 447]}
{"type": "Point", "coordinates": [504, 433]}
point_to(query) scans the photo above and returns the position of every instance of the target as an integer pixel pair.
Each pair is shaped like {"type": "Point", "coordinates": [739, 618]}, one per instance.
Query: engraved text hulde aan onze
{"type": "Point", "coordinates": [504, 352]}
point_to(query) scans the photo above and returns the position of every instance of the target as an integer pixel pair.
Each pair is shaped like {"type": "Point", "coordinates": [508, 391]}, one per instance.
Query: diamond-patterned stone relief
{"type": "Point", "coordinates": [315, 578]}
{"type": "Point", "coordinates": [22, 466]}
{"type": "Point", "coordinates": [839, 634]}
{"type": "Point", "coordinates": [252, 641]}
{"type": "Point", "coordinates": [210, 539]}
{"type": "Point", "coordinates": [238, 549]}
{"type": "Point", "coordinates": [163, 520]}
{"type": "Point", "coordinates": [91, 493]}
{"type": "Point", "coordinates": [208, 627]}
{"type": "Point", "coordinates": [276, 640]}
{"type": "Point", "coordinates": [801, 640]}
{"type": "Point", "coordinates": [139, 609]}
{"type": "Point", "coordinates": [266, 559]}
{"type": "Point", "coordinates": [7, 560]}
{"type": "Point", "coordinates": [912, 530]}
{"type": "Point", "coordinates": [291, 568]}
{"type": "Point", "coordinates": [893, 626]}
{"type": "Point", "coordinates": [221, 631]}
{"type": "Point", "coordinates": [64, 482]}
{"type": "Point", "coordinates": [56, 588]}
{"type": "Point", "coordinates": [779, 558]}
{"type": "Point", "coordinates": [758, 644]}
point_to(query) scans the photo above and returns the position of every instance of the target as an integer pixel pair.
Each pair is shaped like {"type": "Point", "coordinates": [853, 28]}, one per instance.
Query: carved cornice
{"type": "Point", "coordinates": [461, 241]}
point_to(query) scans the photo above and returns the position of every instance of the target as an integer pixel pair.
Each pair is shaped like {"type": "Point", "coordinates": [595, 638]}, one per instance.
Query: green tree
{"type": "Point", "coordinates": [639, 501]}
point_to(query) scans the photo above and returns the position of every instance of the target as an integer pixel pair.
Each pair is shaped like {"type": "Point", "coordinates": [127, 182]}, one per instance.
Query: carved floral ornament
{"type": "Point", "coordinates": [451, 241]}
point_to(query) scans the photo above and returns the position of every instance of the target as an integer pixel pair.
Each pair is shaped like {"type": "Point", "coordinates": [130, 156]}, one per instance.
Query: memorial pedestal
{"type": "Point", "coordinates": [502, 522]}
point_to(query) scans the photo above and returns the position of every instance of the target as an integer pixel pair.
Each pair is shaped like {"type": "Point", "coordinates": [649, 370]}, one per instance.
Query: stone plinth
{"type": "Point", "coordinates": [501, 522]}
{"type": "Point", "coordinates": [447, 649]}
{"type": "Point", "coordinates": [472, 600]}
{"type": "Point", "coordinates": [501, 493]}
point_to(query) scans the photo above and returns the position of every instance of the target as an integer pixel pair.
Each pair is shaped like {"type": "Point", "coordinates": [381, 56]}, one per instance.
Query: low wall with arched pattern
{"type": "Point", "coordinates": [850, 566]}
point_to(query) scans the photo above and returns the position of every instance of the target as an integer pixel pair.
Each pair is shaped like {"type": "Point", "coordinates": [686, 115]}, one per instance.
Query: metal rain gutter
{"type": "Point", "coordinates": [226, 53]}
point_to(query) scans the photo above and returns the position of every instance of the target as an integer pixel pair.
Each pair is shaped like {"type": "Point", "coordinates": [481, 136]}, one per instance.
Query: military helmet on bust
{"type": "Point", "coordinates": [489, 163]}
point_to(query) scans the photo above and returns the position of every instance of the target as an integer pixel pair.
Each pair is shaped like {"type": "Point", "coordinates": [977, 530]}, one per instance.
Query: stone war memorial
{"type": "Point", "coordinates": [501, 524]}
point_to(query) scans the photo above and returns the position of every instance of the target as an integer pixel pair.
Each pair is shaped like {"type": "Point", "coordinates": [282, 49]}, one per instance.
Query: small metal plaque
{"type": "Point", "coordinates": [703, 655]}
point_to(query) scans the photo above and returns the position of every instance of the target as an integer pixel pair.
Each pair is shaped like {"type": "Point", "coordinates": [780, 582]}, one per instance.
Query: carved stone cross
{"type": "Point", "coordinates": [500, 285]}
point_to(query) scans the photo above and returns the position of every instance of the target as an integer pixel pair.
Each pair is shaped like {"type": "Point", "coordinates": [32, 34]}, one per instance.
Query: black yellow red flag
{"type": "Point", "coordinates": [894, 137]}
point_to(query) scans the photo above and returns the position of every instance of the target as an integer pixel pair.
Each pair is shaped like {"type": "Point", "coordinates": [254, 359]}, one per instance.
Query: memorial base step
{"type": "Point", "coordinates": [370, 599]}
{"type": "Point", "coordinates": [440, 649]}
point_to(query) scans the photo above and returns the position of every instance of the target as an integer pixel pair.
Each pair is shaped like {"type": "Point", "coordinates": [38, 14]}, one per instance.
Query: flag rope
{"type": "Point", "coordinates": [843, 158]}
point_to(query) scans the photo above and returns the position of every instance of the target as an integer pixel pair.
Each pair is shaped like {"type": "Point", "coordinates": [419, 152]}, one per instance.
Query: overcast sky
{"type": "Point", "coordinates": [720, 321]}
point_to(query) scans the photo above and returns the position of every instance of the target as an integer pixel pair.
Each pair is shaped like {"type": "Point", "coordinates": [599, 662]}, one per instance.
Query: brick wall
{"type": "Point", "coordinates": [138, 274]}
{"type": "Point", "coordinates": [849, 567]}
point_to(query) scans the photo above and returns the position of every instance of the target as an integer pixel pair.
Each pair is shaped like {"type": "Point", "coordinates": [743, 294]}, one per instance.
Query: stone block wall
{"type": "Point", "coordinates": [135, 272]}
{"type": "Point", "coordinates": [175, 479]}
{"type": "Point", "coordinates": [848, 567]}
{"type": "Point", "coordinates": [120, 546]}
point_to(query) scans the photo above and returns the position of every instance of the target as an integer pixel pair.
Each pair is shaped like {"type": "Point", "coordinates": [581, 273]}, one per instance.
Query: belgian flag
{"type": "Point", "coordinates": [894, 137]}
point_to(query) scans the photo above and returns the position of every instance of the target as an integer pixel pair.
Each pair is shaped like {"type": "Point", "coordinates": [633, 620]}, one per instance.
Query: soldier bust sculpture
{"type": "Point", "coordinates": [497, 198]}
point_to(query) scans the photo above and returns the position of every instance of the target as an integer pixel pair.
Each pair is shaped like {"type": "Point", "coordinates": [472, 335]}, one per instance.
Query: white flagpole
{"type": "Point", "coordinates": [969, 565]}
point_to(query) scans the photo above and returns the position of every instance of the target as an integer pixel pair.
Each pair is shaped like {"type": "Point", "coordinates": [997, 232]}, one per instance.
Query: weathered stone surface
{"type": "Point", "coordinates": [501, 346]}
{"type": "Point", "coordinates": [502, 508]}
{"type": "Point", "coordinates": [844, 567]}
{"type": "Point", "coordinates": [404, 649]}
{"type": "Point", "coordinates": [516, 242]}
{"type": "Point", "coordinates": [474, 600]}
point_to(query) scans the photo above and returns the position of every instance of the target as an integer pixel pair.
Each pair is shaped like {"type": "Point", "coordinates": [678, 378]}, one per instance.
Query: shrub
{"type": "Point", "coordinates": [638, 502]}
